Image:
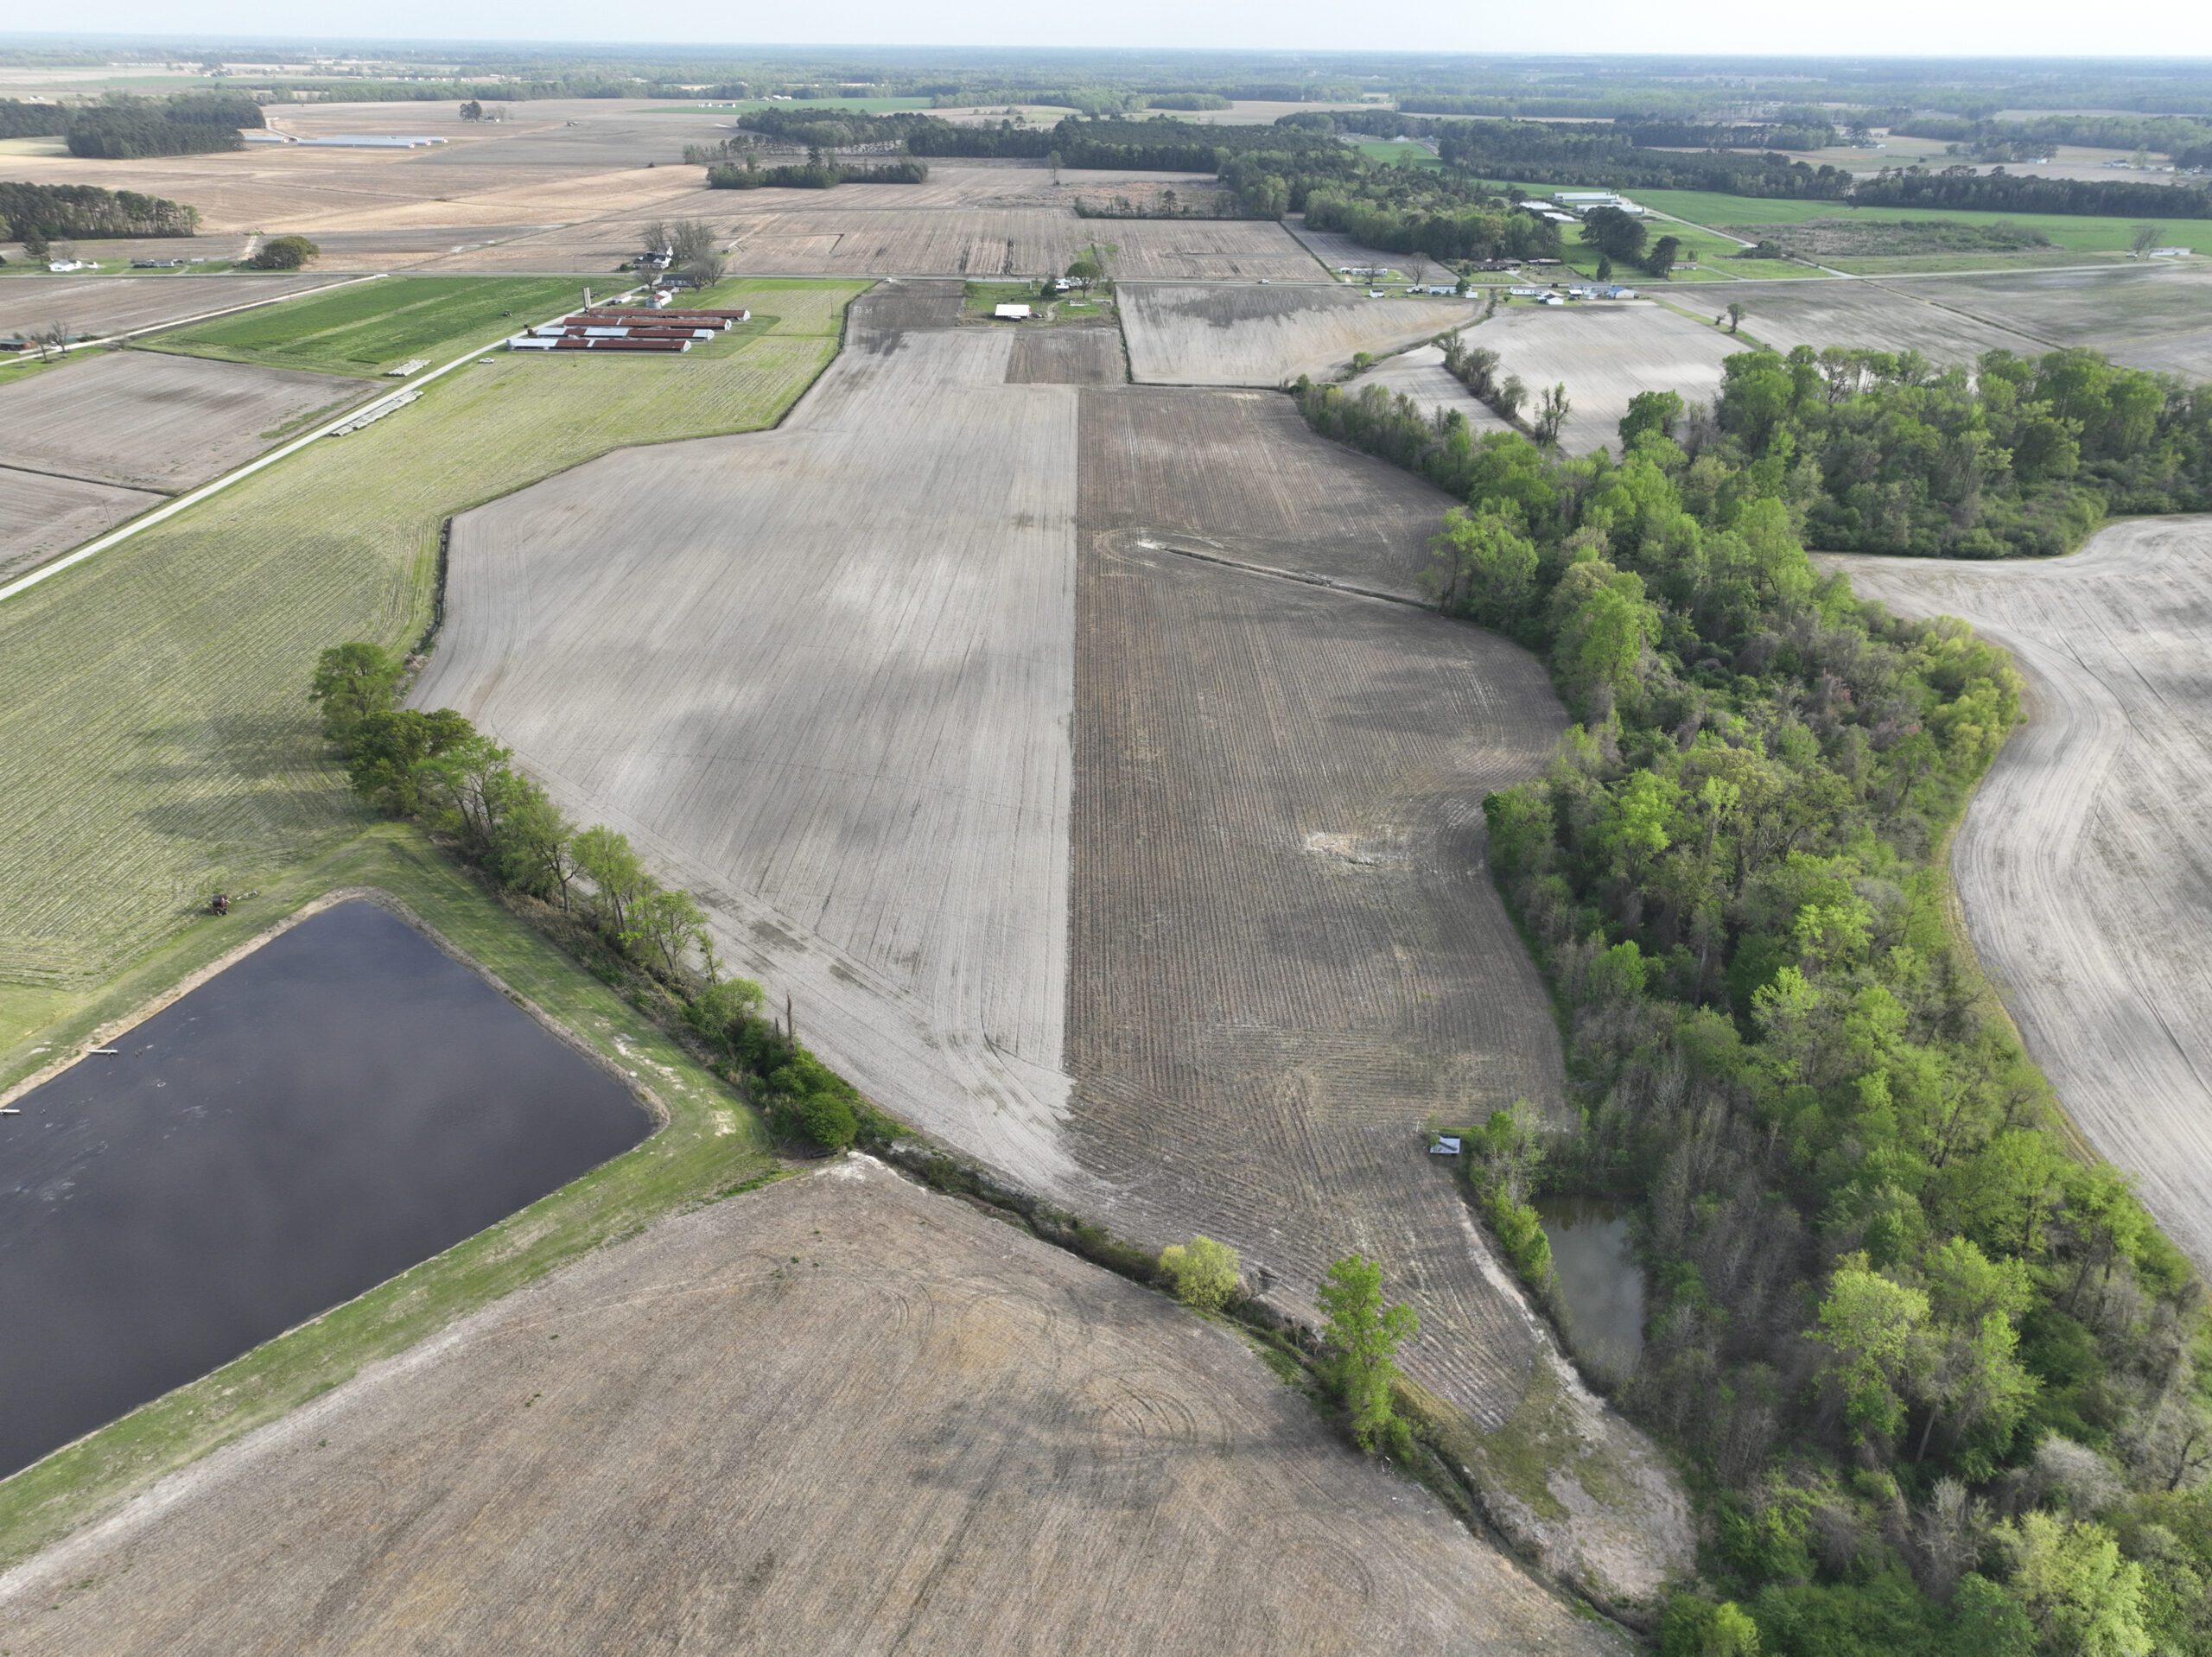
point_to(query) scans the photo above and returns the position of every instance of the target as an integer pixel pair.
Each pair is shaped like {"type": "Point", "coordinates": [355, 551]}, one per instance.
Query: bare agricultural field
{"type": "Point", "coordinates": [2084, 865]}
{"type": "Point", "coordinates": [104, 305]}
{"type": "Point", "coordinates": [1421, 374]}
{"type": "Point", "coordinates": [42, 517]}
{"type": "Point", "coordinates": [1335, 250]}
{"type": "Point", "coordinates": [1200, 335]}
{"type": "Point", "coordinates": [1873, 315]}
{"type": "Point", "coordinates": [1239, 474]}
{"type": "Point", "coordinates": [1067, 356]}
{"type": "Point", "coordinates": [823, 675]}
{"type": "Point", "coordinates": [2155, 316]}
{"type": "Point", "coordinates": [274, 188]}
{"type": "Point", "coordinates": [1604, 354]}
{"type": "Point", "coordinates": [144, 420]}
{"type": "Point", "coordinates": [155, 744]}
{"type": "Point", "coordinates": [815, 239]}
{"type": "Point", "coordinates": [825, 678]}
{"type": "Point", "coordinates": [839, 1414]}
{"type": "Point", "coordinates": [1287, 959]}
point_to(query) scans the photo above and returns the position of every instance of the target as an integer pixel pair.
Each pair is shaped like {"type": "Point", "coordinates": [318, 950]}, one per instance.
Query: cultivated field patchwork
{"type": "Point", "coordinates": [2084, 862]}
{"type": "Point", "coordinates": [823, 675]}
{"type": "Point", "coordinates": [837, 1414]}
{"type": "Point", "coordinates": [1195, 335]}
{"type": "Point", "coordinates": [155, 739]}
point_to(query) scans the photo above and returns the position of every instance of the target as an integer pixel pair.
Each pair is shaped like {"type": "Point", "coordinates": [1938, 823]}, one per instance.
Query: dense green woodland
{"type": "Point", "coordinates": [190, 124]}
{"type": "Point", "coordinates": [49, 212]}
{"type": "Point", "coordinates": [1938, 1380]}
{"type": "Point", "coordinates": [1882, 453]}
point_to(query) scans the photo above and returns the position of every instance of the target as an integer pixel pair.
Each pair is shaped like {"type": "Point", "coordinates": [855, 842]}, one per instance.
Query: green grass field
{"type": "Point", "coordinates": [370, 325]}
{"type": "Point", "coordinates": [154, 741]}
{"type": "Point", "coordinates": [2073, 232]}
{"type": "Point", "coordinates": [1391, 152]}
{"type": "Point", "coordinates": [712, 1142]}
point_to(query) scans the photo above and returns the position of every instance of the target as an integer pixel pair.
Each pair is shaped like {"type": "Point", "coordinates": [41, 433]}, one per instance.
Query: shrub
{"type": "Point", "coordinates": [282, 253]}
{"type": "Point", "coordinates": [1205, 1272]}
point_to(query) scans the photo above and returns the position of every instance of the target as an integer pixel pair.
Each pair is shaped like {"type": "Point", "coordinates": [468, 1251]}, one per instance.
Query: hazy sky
{"type": "Point", "coordinates": [2164, 28]}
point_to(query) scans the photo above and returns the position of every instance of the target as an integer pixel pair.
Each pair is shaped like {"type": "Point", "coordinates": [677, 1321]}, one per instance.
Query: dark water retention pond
{"type": "Point", "coordinates": [342, 1103]}
{"type": "Point", "coordinates": [1600, 1285]}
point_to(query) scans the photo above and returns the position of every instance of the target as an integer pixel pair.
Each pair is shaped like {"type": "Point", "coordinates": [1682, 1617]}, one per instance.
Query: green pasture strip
{"type": "Point", "coordinates": [711, 1142]}
{"type": "Point", "coordinates": [1937, 264]}
{"type": "Point", "coordinates": [156, 742]}
{"type": "Point", "coordinates": [2077, 232]}
{"type": "Point", "coordinates": [369, 327]}
{"type": "Point", "coordinates": [1392, 152]}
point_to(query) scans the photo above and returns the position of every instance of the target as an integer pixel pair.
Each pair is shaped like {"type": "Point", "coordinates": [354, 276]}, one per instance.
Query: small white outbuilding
{"type": "Point", "coordinates": [1011, 312]}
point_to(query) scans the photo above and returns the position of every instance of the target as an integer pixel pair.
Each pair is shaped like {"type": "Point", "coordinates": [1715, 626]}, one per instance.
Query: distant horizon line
{"type": "Point", "coordinates": [149, 39]}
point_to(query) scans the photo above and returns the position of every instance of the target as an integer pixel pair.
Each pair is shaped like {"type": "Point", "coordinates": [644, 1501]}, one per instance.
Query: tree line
{"type": "Point", "coordinates": [437, 770]}
{"type": "Point", "coordinates": [1942, 1381]}
{"type": "Point", "coordinates": [1882, 451]}
{"type": "Point", "coordinates": [120, 128]}
{"type": "Point", "coordinates": [817, 173]}
{"type": "Point", "coordinates": [41, 213]}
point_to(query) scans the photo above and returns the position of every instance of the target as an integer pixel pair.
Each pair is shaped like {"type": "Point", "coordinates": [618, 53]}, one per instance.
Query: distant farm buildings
{"type": "Point", "coordinates": [1567, 207]}
{"type": "Point", "coordinates": [612, 329]}
{"type": "Point", "coordinates": [1011, 312]}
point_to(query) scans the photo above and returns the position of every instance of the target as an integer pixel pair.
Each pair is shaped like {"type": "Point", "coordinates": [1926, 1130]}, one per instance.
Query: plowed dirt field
{"type": "Point", "coordinates": [142, 420]}
{"type": "Point", "coordinates": [2084, 866]}
{"type": "Point", "coordinates": [1604, 353]}
{"type": "Point", "coordinates": [826, 678]}
{"type": "Point", "coordinates": [838, 1415]}
{"type": "Point", "coordinates": [1193, 336]}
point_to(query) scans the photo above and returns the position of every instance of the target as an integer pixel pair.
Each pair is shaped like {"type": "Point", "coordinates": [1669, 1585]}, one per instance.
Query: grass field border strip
{"type": "Point", "coordinates": [115, 537]}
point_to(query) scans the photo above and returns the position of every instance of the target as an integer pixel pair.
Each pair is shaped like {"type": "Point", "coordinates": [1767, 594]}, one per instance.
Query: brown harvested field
{"type": "Point", "coordinates": [1067, 356]}
{"type": "Point", "coordinates": [146, 420]}
{"type": "Point", "coordinates": [819, 238]}
{"type": "Point", "coordinates": [826, 677]}
{"type": "Point", "coordinates": [1876, 316]}
{"type": "Point", "coordinates": [1286, 957]}
{"type": "Point", "coordinates": [287, 187]}
{"type": "Point", "coordinates": [840, 1414]}
{"type": "Point", "coordinates": [1421, 374]}
{"type": "Point", "coordinates": [1239, 474]}
{"type": "Point", "coordinates": [1604, 354]}
{"type": "Point", "coordinates": [1194, 334]}
{"type": "Point", "coordinates": [2155, 316]}
{"type": "Point", "coordinates": [822, 675]}
{"type": "Point", "coordinates": [42, 517]}
{"type": "Point", "coordinates": [104, 306]}
{"type": "Point", "coordinates": [2084, 865]}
